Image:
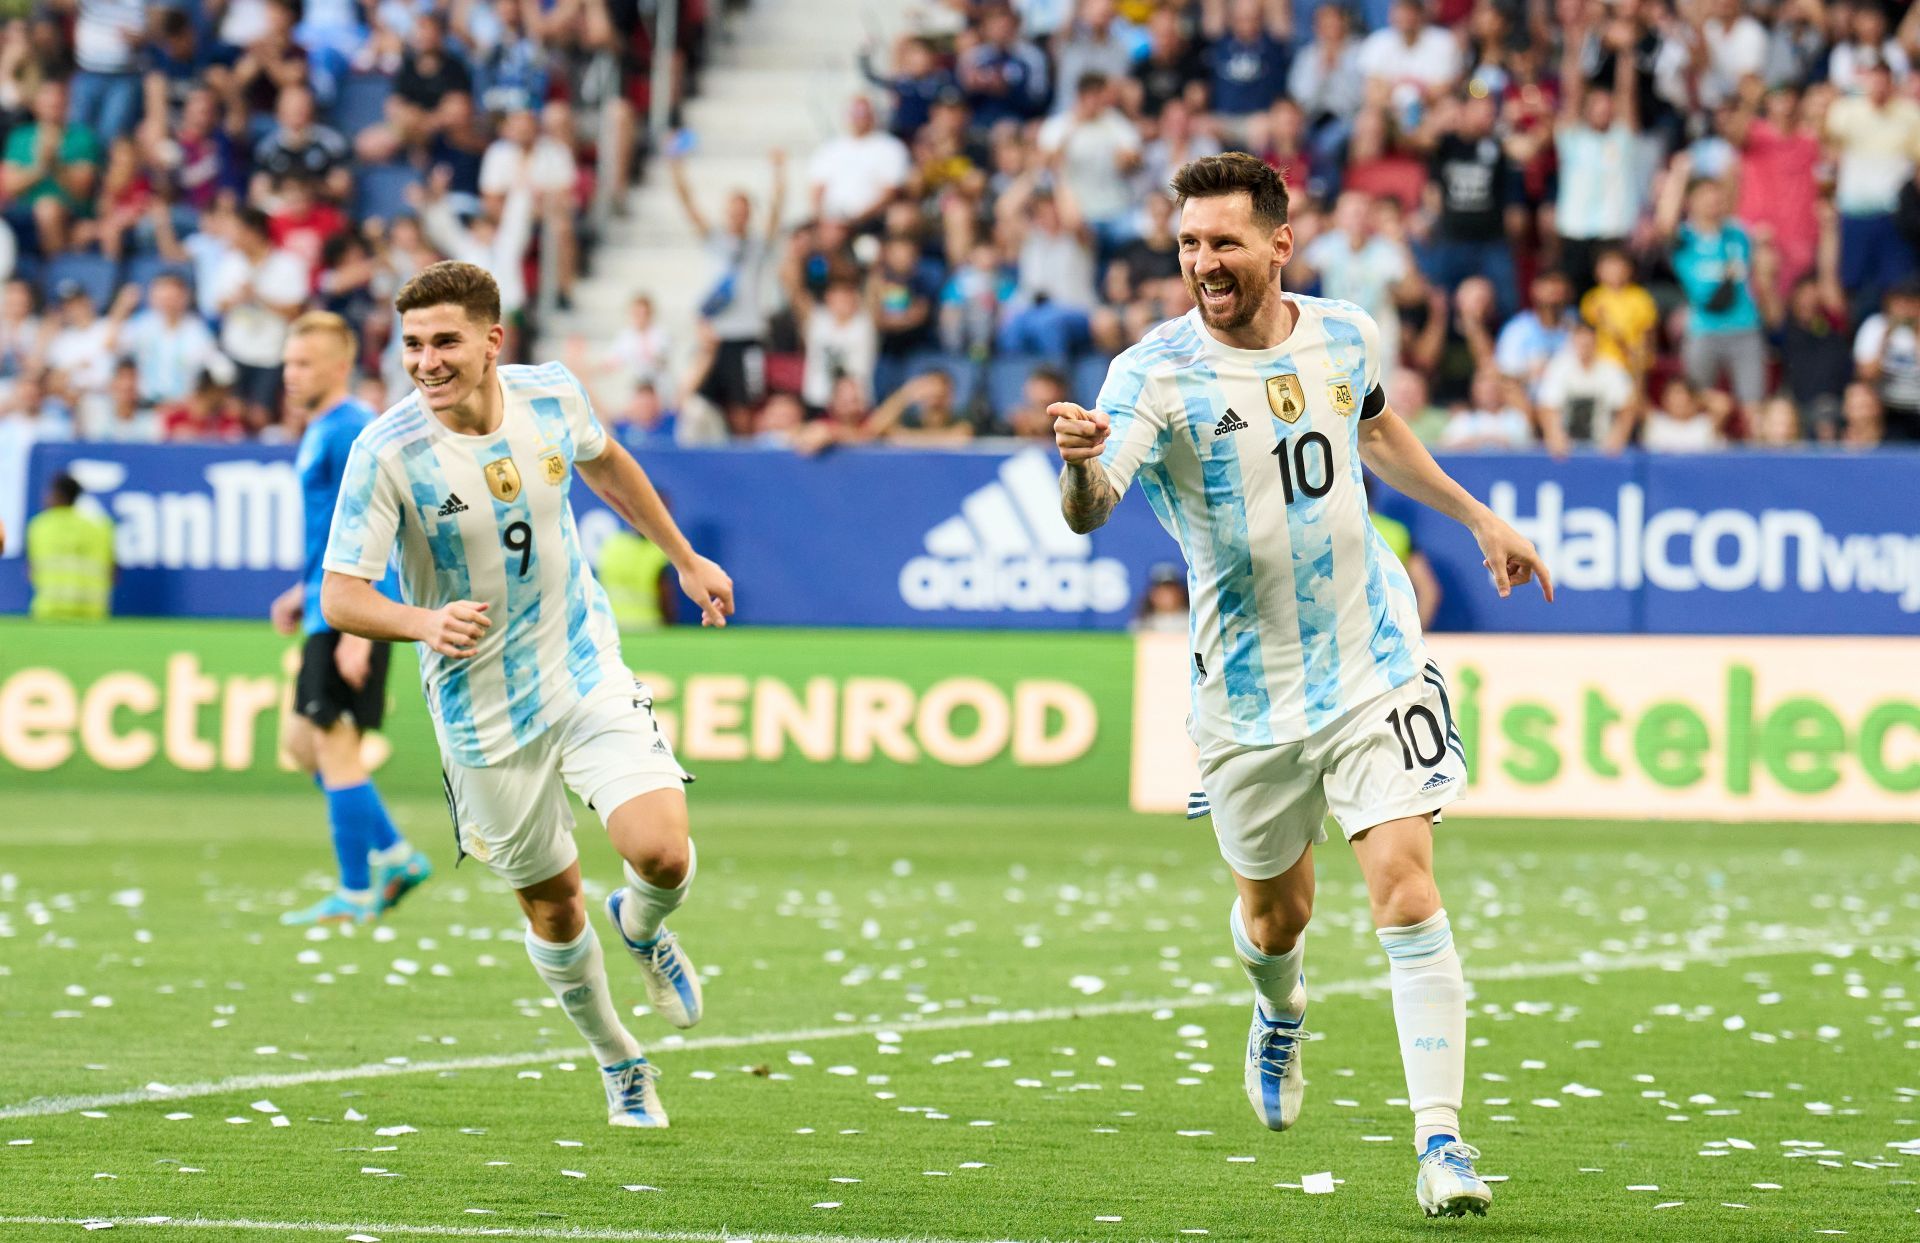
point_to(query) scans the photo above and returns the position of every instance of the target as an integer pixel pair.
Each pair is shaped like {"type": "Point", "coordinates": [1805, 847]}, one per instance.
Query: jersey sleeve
{"type": "Point", "coordinates": [1374, 399]}
{"type": "Point", "coordinates": [589, 438]}
{"type": "Point", "coordinates": [365, 520]}
{"type": "Point", "coordinates": [1137, 435]}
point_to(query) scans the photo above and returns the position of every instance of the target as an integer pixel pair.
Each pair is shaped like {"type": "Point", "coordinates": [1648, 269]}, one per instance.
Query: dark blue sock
{"type": "Point", "coordinates": [346, 813]}
{"type": "Point", "coordinates": [381, 834]}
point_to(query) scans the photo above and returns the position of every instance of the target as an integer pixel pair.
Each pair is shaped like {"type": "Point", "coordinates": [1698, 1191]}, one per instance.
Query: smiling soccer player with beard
{"type": "Point", "coordinates": [1247, 421]}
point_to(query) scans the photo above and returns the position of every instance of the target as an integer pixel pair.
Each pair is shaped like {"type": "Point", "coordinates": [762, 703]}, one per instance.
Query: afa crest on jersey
{"type": "Point", "coordinates": [1286, 398]}
{"type": "Point", "coordinates": [1340, 396]}
{"type": "Point", "coordinates": [555, 466]}
{"type": "Point", "coordinates": [503, 479]}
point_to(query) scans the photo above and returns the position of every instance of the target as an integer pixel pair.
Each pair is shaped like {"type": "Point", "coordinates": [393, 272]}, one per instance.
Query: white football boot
{"type": "Point", "coordinates": [1275, 1085]}
{"type": "Point", "coordinates": [673, 986]}
{"type": "Point", "coordinates": [1446, 1185]}
{"type": "Point", "coordinates": [631, 1098]}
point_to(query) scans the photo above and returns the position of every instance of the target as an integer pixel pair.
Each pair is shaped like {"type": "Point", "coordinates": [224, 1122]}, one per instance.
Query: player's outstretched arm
{"type": "Point", "coordinates": [1086, 496]}
{"type": "Point", "coordinates": [624, 486]}
{"type": "Point", "coordinates": [1395, 454]}
{"type": "Point", "coordinates": [355, 606]}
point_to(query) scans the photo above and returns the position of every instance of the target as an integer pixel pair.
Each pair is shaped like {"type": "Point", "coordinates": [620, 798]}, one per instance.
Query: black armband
{"type": "Point", "coordinates": [1376, 402]}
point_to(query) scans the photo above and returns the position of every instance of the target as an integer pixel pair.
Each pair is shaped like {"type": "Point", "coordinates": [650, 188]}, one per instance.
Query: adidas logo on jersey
{"type": "Point", "coordinates": [454, 505]}
{"type": "Point", "coordinates": [1230, 422]}
{"type": "Point", "coordinates": [1435, 782]}
{"type": "Point", "coordinates": [1007, 551]}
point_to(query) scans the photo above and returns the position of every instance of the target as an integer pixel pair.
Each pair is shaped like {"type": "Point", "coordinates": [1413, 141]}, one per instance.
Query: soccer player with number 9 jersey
{"type": "Point", "coordinates": [465, 483]}
{"type": "Point", "coordinates": [1246, 423]}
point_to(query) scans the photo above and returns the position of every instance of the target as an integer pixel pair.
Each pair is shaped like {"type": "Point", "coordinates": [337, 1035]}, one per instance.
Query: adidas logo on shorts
{"type": "Point", "coordinates": [1230, 422]}
{"type": "Point", "coordinates": [1435, 782]}
{"type": "Point", "coordinates": [454, 505]}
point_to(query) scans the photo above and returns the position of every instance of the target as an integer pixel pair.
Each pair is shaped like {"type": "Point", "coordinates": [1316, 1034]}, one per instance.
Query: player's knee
{"type": "Point", "coordinates": [663, 861]}
{"type": "Point", "coordinates": [1405, 898]}
{"type": "Point", "coordinates": [558, 918]}
{"type": "Point", "coordinates": [1275, 928]}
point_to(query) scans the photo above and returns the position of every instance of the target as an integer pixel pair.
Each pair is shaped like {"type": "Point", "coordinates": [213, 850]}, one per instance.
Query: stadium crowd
{"type": "Point", "coordinates": [180, 179]}
{"type": "Point", "coordinates": [1676, 223]}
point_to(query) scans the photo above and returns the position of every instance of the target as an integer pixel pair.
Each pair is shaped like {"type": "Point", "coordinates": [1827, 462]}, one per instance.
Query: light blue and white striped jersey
{"type": "Point", "coordinates": [486, 518]}
{"type": "Point", "coordinates": [1250, 459]}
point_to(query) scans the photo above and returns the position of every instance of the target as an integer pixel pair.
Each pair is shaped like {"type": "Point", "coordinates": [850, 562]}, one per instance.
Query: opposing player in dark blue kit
{"type": "Point", "coordinates": [342, 688]}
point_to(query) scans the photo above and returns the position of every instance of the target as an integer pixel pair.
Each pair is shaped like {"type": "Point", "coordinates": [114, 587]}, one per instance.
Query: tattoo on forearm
{"type": "Point", "coordinates": [1086, 498]}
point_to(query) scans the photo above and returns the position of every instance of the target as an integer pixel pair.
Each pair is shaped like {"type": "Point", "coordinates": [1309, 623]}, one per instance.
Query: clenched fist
{"type": "Point", "coordinates": [455, 629]}
{"type": "Point", "coordinates": [1080, 434]}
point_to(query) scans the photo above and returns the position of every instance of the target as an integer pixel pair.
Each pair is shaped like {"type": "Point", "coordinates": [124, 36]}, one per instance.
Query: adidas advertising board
{"type": "Point", "coordinates": [1009, 549]}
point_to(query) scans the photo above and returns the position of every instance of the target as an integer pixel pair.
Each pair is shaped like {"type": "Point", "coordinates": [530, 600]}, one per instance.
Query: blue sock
{"type": "Point", "coordinates": [381, 835]}
{"type": "Point", "coordinates": [346, 813]}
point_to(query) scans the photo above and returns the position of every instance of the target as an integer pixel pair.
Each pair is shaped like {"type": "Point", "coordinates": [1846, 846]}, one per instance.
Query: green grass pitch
{"type": "Point", "coordinates": [938, 1023]}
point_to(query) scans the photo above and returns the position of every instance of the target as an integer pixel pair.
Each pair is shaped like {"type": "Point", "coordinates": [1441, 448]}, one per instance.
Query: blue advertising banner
{"type": "Point", "coordinates": [1805, 543]}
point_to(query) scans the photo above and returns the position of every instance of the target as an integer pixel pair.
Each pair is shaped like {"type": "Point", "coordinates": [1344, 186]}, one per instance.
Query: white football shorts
{"type": "Point", "coordinates": [1396, 755]}
{"type": "Point", "coordinates": [513, 816]}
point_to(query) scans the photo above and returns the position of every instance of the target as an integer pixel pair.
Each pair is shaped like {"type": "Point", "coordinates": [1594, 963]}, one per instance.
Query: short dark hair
{"type": "Point", "coordinates": [255, 221]}
{"type": "Point", "coordinates": [451, 282]}
{"type": "Point", "coordinates": [1236, 172]}
{"type": "Point", "coordinates": [65, 489]}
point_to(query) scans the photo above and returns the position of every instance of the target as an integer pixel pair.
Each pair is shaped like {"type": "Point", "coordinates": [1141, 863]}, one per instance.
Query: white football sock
{"type": "Point", "coordinates": [1274, 975]}
{"type": "Point", "coordinates": [1430, 1011]}
{"type": "Point", "coordinates": [647, 906]}
{"type": "Point", "coordinates": [393, 856]}
{"type": "Point", "coordinates": [577, 974]}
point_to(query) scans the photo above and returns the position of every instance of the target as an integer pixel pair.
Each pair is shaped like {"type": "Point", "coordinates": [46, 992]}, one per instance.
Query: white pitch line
{"type": "Point", "coordinates": [477, 1230]}
{"type": "Point", "coordinates": [1597, 964]}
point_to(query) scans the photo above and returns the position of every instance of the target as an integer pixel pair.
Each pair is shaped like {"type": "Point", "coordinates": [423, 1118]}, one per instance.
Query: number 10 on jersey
{"type": "Point", "coordinates": [1298, 472]}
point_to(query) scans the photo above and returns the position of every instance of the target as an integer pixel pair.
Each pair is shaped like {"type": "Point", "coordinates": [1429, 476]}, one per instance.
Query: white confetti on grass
{"type": "Point", "coordinates": [828, 1204]}
{"type": "Point", "coordinates": [572, 1174]}
{"type": "Point", "coordinates": [1671, 1204]}
{"type": "Point", "coordinates": [1642, 1187]}
{"type": "Point", "coordinates": [1317, 1184]}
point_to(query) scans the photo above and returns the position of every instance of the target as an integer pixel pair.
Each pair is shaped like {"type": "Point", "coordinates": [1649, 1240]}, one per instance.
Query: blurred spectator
{"type": "Point", "coordinates": [1045, 385]}
{"type": "Point", "coordinates": [840, 337]}
{"type": "Point", "coordinates": [842, 422]}
{"type": "Point", "coordinates": [1887, 353]}
{"type": "Point", "coordinates": [299, 146]}
{"type": "Point", "coordinates": [1861, 415]}
{"type": "Point", "coordinates": [197, 155]}
{"type": "Point", "coordinates": [1686, 421]}
{"type": "Point", "coordinates": [1863, 48]}
{"type": "Point", "coordinates": [1875, 136]}
{"type": "Point", "coordinates": [1326, 79]}
{"type": "Point", "coordinates": [1492, 419]}
{"type": "Point", "coordinates": [1052, 305]}
{"type": "Point", "coordinates": [1713, 259]}
{"type": "Point", "coordinates": [1779, 425]}
{"type": "Point", "coordinates": [22, 336]}
{"type": "Point", "coordinates": [34, 404]}
{"type": "Point", "coordinates": [1247, 55]}
{"type": "Point", "coordinates": [1597, 141]}
{"type": "Point", "coordinates": [1467, 345]}
{"type": "Point", "coordinates": [1144, 278]}
{"type": "Point", "coordinates": [1413, 60]}
{"type": "Point", "coordinates": [70, 557]}
{"type": "Point", "coordinates": [642, 350]}
{"type": "Point", "coordinates": [902, 291]}
{"type": "Point", "coordinates": [1780, 159]}
{"type": "Point", "coordinates": [536, 156]}
{"type": "Point", "coordinates": [301, 222]}
{"type": "Point", "coordinates": [270, 61]}
{"type": "Point", "coordinates": [635, 574]}
{"type": "Point", "coordinates": [1471, 192]}
{"type": "Point", "coordinates": [1533, 337]}
{"type": "Point", "coordinates": [258, 291]}
{"type": "Point", "coordinates": [917, 81]}
{"type": "Point", "coordinates": [209, 413]}
{"type": "Point", "coordinates": [106, 40]}
{"type": "Point", "coordinates": [734, 305]}
{"type": "Point", "coordinates": [1004, 76]}
{"type": "Point", "coordinates": [1169, 67]}
{"type": "Point", "coordinates": [51, 173]}
{"type": "Point", "coordinates": [1092, 45]}
{"type": "Point", "coordinates": [1585, 398]}
{"type": "Point", "coordinates": [972, 300]}
{"type": "Point", "coordinates": [1095, 149]}
{"type": "Point", "coordinates": [645, 414]}
{"type": "Point", "coordinates": [1163, 609]}
{"type": "Point", "coordinates": [118, 415]}
{"type": "Point", "coordinates": [1816, 351]}
{"type": "Point", "coordinates": [1622, 313]}
{"type": "Point", "coordinates": [430, 75]}
{"type": "Point", "coordinates": [1408, 394]}
{"type": "Point", "coordinates": [494, 243]}
{"type": "Point", "coordinates": [80, 354]}
{"type": "Point", "coordinates": [921, 412]}
{"type": "Point", "coordinates": [853, 177]}
{"type": "Point", "coordinates": [1360, 265]}
{"type": "Point", "coordinates": [1177, 141]}
{"type": "Point", "coordinates": [1736, 48]}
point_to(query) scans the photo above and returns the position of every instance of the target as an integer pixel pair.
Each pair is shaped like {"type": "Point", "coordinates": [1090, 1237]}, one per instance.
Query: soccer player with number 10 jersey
{"type": "Point", "coordinates": [1246, 422]}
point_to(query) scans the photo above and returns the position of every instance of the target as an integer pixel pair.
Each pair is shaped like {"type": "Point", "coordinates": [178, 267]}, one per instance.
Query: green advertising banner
{"type": "Point", "coordinates": [905, 716]}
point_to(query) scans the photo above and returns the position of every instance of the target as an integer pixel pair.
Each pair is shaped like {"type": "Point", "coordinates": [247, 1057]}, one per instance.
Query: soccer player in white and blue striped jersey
{"type": "Point", "coordinates": [1247, 422]}
{"type": "Point", "coordinates": [466, 482]}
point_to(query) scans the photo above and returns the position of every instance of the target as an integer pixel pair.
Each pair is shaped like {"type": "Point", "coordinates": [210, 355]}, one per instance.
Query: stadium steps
{"type": "Point", "coordinates": [779, 76]}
